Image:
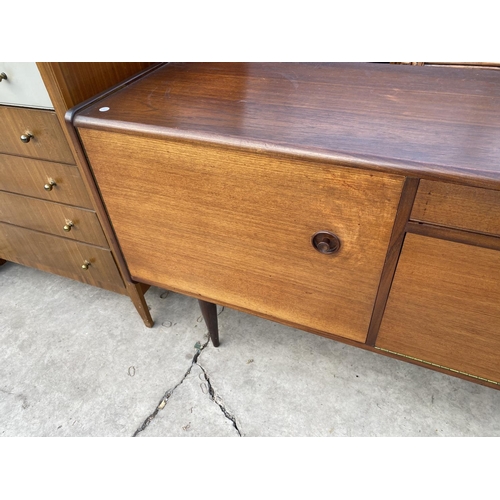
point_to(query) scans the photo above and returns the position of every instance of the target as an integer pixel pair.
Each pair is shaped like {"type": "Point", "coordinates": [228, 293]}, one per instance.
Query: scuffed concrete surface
{"type": "Point", "coordinates": [78, 361]}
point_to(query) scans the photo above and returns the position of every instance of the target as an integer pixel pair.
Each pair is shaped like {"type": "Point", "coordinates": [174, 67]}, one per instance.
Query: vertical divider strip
{"type": "Point", "coordinates": [403, 213]}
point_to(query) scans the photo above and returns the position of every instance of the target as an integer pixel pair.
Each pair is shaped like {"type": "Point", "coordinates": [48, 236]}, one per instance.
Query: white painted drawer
{"type": "Point", "coordinates": [23, 86]}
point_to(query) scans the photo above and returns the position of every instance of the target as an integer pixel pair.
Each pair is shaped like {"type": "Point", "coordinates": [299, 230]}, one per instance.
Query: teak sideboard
{"type": "Point", "coordinates": [356, 201]}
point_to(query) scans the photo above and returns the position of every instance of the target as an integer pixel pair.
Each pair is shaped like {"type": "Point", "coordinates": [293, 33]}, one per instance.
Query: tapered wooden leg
{"type": "Point", "coordinates": [209, 312]}
{"type": "Point", "coordinates": [136, 294]}
{"type": "Point", "coordinates": [2, 262]}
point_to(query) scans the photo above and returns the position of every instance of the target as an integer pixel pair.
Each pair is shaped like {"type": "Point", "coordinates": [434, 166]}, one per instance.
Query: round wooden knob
{"type": "Point", "coordinates": [27, 137]}
{"type": "Point", "coordinates": [325, 242]}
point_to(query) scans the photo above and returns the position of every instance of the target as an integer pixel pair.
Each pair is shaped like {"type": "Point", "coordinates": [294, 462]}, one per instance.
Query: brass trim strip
{"type": "Point", "coordinates": [438, 366]}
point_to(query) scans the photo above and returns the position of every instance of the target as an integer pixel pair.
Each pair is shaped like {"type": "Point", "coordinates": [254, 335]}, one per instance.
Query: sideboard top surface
{"type": "Point", "coordinates": [425, 121]}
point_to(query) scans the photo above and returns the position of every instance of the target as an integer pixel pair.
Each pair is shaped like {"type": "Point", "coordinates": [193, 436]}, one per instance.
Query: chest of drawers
{"type": "Point", "coordinates": [49, 217]}
{"type": "Point", "coordinates": [357, 201]}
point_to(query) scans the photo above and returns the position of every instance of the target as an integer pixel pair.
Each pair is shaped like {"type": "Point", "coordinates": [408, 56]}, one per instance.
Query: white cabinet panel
{"type": "Point", "coordinates": [23, 86]}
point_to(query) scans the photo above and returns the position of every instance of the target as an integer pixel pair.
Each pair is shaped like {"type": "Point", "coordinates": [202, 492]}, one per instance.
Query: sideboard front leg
{"type": "Point", "coordinates": [2, 262]}
{"type": "Point", "coordinates": [136, 294]}
{"type": "Point", "coordinates": [209, 312]}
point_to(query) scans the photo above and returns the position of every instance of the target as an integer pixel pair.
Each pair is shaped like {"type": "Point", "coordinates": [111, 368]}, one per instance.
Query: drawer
{"type": "Point", "coordinates": [54, 218]}
{"type": "Point", "coordinates": [444, 306]}
{"type": "Point", "coordinates": [236, 227]}
{"type": "Point", "coordinates": [460, 207]}
{"type": "Point", "coordinates": [31, 177]}
{"type": "Point", "coordinates": [48, 141]}
{"type": "Point", "coordinates": [23, 86]}
{"type": "Point", "coordinates": [60, 256]}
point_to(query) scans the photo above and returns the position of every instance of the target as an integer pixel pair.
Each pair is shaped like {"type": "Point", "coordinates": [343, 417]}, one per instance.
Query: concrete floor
{"type": "Point", "coordinates": [78, 361]}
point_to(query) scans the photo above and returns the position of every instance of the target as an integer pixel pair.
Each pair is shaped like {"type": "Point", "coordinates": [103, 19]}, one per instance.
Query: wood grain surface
{"type": "Point", "coordinates": [444, 306]}
{"type": "Point", "coordinates": [391, 260]}
{"type": "Point", "coordinates": [457, 235]}
{"type": "Point", "coordinates": [440, 122]}
{"type": "Point", "coordinates": [27, 176]}
{"type": "Point", "coordinates": [455, 206]}
{"type": "Point", "coordinates": [50, 217]}
{"type": "Point", "coordinates": [236, 228]}
{"type": "Point", "coordinates": [79, 81]}
{"type": "Point", "coordinates": [48, 143]}
{"type": "Point", "coordinates": [60, 256]}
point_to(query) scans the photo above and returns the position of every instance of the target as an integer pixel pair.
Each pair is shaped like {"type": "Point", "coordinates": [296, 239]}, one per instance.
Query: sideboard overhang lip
{"type": "Point", "coordinates": [480, 173]}
{"type": "Point", "coordinates": [445, 173]}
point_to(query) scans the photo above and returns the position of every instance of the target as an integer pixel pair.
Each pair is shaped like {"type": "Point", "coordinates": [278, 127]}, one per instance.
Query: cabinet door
{"type": "Point", "coordinates": [235, 227]}
{"type": "Point", "coordinates": [444, 306]}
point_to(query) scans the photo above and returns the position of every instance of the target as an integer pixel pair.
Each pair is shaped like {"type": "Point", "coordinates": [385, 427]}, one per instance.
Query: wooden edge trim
{"type": "Point", "coordinates": [442, 368]}
{"type": "Point", "coordinates": [56, 93]}
{"type": "Point", "coordinates": [403, 213]}
{"type": "Point", "coordinates": [88, 175]}
{"type": "Point", "coordinates": [456, 235]}
{"type": "Point", "coordinates": [99, 204]}
{"type": "Point", "coordinates": [448, 173]}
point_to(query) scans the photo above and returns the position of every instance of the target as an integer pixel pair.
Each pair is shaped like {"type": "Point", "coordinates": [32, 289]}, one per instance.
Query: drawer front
{"type": "Point", "coordinates": [444, 306]}
{"type": "Point", "coordinates": [47, 142]}
{"type": "Point", "coordinates": [236, 227]}
{"type": "Point", "coordinates": [60, 256]}
{"type": "Point", "coordinates": [23, 86]}
{"type": "Point", "coordinates": [460, 207]}
{"type": "Point", "coordinates": [36, 177]}
{"type": "Point", "coordinates": [54, 218]}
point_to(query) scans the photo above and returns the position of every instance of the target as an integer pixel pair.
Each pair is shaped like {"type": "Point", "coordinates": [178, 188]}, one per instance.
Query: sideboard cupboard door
{"type": "Point", "coordinates": [236, 228]}
{"type": "Point", "coordinates": [444, 306]}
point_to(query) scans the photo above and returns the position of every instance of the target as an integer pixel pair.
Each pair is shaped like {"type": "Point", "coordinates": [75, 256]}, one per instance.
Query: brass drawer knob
{"type": "Point", "coordinates": [86, 265]}
{"type": "Point", "coordinates": [27, 137]}
{"type": "Point", "coordinates": [49, 185]}
{"type": "Point", "coordinates": [3, 76]}
{"type": "Point", "coordinates": [69, 224]}
{"type": "Point", "coordinates": [325, 242]}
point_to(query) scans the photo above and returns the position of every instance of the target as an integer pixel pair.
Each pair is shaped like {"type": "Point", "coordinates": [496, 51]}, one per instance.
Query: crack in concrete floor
{"type": "Point", "coordinates": [211, 392]}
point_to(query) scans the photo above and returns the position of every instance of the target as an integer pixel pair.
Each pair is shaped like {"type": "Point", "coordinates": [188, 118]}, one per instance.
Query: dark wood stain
{"type": "Point", "coordinates": [434, 121]}
{"type": "Point", "coordinates": [391, 261]}
{"type": "Point", "coordinates": [209, 312]}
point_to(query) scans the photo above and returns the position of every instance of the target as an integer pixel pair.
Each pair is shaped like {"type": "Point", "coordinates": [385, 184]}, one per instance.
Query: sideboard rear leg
{"type": "Point", "coordinates": [209, 312]}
